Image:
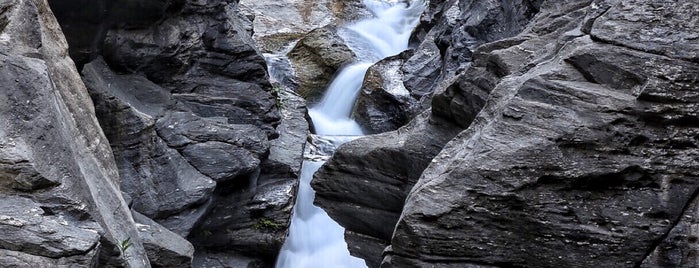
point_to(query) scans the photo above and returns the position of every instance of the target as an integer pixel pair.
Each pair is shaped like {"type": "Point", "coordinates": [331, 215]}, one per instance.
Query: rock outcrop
{"type": "Point", "coordinates": [61, 205]}
{"type": "Point", "coordinates": [584, 155]}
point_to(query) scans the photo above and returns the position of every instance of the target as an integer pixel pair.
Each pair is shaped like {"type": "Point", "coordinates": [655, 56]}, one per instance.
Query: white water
{"type": "Point", "coordinates": [315, 240]}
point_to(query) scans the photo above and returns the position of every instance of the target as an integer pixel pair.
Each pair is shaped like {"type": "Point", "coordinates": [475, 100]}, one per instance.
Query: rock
{"type": "Point", "coordinates": [384, 104]}
{"type": "Point", "coordinates": [316, 58]}
{"type": "Point", "coordinates": [673, 37]}
{"type": "Point", "coordinates": [286, 152]}
{"type": "Point", "coordinates": [280, 23]}
{"type": "Point", "coordinates": [220, 161]}
{"type": "Point", "coordinates": [253, 222]}
{"type": "Point", "coordinates": [48, 124]}
{"type": "Point", "coordinates": [448, 34]}
{"type": "Point", "coordinates": [679, 247]}
{"type": "Point", "coordinates": [583, 155]}
{"type": "Point", "coordinates": [205, 259]}
{"type": "Point", "coordinates": [27, 228]}
{"type": "Point", "coordinates": [163, 183]}
{"type": "Point", "coordinates": [364, 184]}
{"type": "Point", "coordinates": [164, 248]}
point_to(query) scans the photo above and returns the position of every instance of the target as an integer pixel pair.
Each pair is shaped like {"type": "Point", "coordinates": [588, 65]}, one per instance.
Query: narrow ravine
{"type": "Point", "coordinates": [315, 240]}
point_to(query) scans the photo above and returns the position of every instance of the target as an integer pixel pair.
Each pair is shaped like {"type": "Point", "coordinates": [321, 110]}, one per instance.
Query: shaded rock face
{"type": "Point", "coordinates": [584, 155]}
{"type": "Point", "coordinates": [364, 184]}
{"type": "Point", "coordinates": [61, 205]}
{"type": "Point", "coordinates": [184, 98]}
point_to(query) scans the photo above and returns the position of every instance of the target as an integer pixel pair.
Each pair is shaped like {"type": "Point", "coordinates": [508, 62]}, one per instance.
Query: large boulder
{"type": "Point", "coordinates": [583, 156]}
{"type": "Point", "coordinates": [365, 183]}
{"type": "Point", "coordinates": [316, 58]}
{"type": "Point", "coordinates": [61, 204]}
{"type": "Point", "coordinates": [384, 104]}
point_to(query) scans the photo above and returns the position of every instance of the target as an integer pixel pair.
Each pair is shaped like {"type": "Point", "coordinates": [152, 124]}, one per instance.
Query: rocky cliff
{"type": "Point", "coordinates": [578, 149]}
{"type": "Point", "coordinates": [191, 143]}
{"type": "Point", "coordinates": [525, 133]}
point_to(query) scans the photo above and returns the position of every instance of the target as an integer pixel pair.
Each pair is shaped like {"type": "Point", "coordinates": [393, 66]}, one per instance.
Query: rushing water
{"type": "Point", "coordinates": [315, 240]}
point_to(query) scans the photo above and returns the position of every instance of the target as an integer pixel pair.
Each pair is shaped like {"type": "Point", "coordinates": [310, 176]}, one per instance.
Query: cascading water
{"type": "Point", "coordinates": [315, 240]}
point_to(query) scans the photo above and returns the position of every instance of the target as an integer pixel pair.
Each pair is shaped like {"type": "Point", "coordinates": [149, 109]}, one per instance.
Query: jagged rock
{"type": "Point", "coordinates": [584, 155]}
{"type": "Point", "coordinates": [316, 58]}
{"type": "Point", "coordinates": [164, 248]}
{"type": "Point", "coordinates": [47, 121]}
{"type": "Point", "coordinates": [163, 183]}
{"type": "Point", "coordinates": [384, 104]}
{"type": "Point", "coordinates": [365, 183]}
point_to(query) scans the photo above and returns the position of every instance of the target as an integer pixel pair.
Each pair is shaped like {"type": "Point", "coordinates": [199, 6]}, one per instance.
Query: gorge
{"type": "Point", "coordinates": [510, 133]}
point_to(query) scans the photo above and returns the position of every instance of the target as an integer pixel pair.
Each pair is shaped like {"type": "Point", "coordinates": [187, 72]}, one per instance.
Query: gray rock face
{"type": "Point", "coordinates": [365, 183]}
{"type": "Point", "coordinates": [583, 156]}
{"type": "Point", "coordinates": [164, 248]}
{"type": "Point", "coordinates": [58, 180]}
{"type": "Point", "coordinates": [316, 58]}
{"type": "Point", "coordinates": [163, 183]}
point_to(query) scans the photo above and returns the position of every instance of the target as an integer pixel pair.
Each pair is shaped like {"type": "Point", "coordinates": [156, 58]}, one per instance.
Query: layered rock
{"type": "Point", "coordinates": [59, 184]}
{"type": "Point", "coordinates": [584, 154]}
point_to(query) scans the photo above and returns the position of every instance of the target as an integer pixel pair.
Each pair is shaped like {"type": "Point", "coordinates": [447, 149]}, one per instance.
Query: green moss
{"type": "Point", "coordinates": [265, 224]}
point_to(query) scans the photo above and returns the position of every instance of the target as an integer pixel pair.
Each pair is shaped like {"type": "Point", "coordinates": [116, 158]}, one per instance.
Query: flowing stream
{"type": "Point", "coordinates": [315, 240]}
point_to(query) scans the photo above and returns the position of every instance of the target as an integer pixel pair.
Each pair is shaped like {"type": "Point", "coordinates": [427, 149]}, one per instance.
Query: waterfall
{"type": "Point", "coordinates": [315, 240]}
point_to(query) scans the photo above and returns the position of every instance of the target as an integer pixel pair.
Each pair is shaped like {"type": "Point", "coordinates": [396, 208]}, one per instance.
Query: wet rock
{"type": "Point", "coordinates": [365, 183]}
{"type": "Point", "coordinates": [577, 149]}
{"type": "Point", "coordinates": [50, 138]}
{"type": "Point", "coordinates": [164, 248]}
{"type": "Point", "coordinates": [316, 58]}
{"type": "Point", "coordinates": [384, 104]}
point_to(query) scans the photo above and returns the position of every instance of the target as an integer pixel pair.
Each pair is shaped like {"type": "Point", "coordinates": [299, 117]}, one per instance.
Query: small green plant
{"type": "Point", "coordinates": [208, 233]}
{"type": "Point", "coordinates": [278, 92]}
{"type": "Point", "coordinates": [124, 245]}
{"type": "Point", "coordinates": [266, 224]}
